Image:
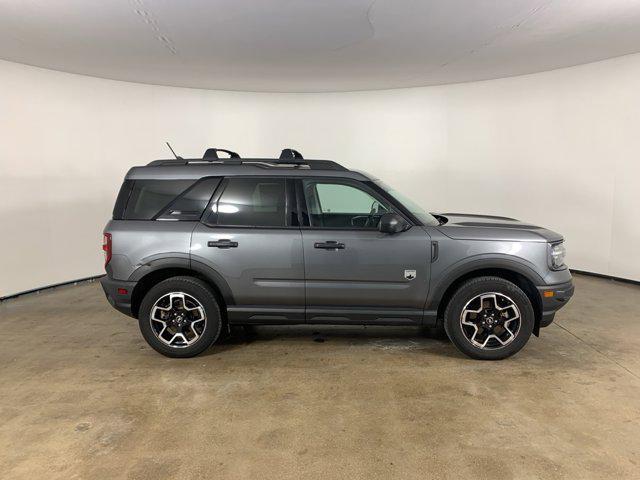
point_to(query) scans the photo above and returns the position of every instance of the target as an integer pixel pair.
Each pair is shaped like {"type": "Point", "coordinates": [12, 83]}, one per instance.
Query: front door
{"type": "Point", "coordinates": [252, 243]}
{"type": "Point", "coordinates": [354, 273]}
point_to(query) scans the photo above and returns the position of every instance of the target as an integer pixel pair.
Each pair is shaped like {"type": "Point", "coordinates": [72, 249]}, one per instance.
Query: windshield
{"type": "Point", "coordinates": [420, 213]}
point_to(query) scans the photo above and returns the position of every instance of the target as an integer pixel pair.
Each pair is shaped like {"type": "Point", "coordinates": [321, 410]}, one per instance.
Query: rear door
{"type": "Point", "coordinates": [354, 273]}
{"type": "Point", "coordinates": [152, 224]}
{"type": "Point", "coordinates": [251, 239]}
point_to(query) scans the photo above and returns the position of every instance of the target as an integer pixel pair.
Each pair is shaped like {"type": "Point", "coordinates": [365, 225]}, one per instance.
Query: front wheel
{"type": "Point", "coordinates": [489, 318]}
{"type": "Point", "coordinates": [180, 317]}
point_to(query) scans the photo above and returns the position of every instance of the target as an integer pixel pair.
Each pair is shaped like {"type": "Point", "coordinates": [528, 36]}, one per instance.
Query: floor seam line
{"type": "Point", "coordinates": [598, 351]}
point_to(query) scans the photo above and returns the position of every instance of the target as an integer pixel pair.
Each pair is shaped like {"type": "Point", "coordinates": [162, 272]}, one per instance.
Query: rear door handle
{"type": "Point", "coordinates": [224, 243]}
{"type": "Point", "coordinates": [329, 245]}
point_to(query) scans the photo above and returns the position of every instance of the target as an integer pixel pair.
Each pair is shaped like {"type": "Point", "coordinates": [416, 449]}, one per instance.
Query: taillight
{"type": "Point", "coordinates": [106, 246]}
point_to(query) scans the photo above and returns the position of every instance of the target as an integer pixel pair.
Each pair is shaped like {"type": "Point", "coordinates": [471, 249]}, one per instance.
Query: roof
{"type": "Point", "coordinates": [183, 169]}
{"type": "Point", "coordinates": [262, 162]}
{"type": "Point", "coordinates": [290, 163]}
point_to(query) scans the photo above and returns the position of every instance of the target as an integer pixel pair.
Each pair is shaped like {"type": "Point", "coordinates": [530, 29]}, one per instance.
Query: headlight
{"type": "Point", "coordinates": [557, 253]}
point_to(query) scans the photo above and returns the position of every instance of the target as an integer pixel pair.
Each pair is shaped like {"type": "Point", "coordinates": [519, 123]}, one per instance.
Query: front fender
{"type": "Point", "coordinates": [476, 263]}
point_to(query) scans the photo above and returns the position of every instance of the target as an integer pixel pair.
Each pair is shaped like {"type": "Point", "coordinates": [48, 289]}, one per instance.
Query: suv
{"type": "Point", "coordinates": [196, 246]}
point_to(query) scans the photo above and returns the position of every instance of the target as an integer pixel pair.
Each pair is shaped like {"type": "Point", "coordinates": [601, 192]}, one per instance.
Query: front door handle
{"type": "Point", "coordinates": [224, 243]}
{"type": "Point", "coordinates": [329, 245]}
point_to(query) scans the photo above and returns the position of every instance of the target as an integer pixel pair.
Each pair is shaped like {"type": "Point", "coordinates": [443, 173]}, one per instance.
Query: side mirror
{"type": "Point", "coordinates": [393, 223]}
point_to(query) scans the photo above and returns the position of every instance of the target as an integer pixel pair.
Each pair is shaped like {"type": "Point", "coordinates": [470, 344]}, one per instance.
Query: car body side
{"type": "Point", "coordinates": [146, 252]}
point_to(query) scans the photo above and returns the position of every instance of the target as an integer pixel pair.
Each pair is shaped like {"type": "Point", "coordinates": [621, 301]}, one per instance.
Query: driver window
{"type": "Point", "coordinates": [337, 205]}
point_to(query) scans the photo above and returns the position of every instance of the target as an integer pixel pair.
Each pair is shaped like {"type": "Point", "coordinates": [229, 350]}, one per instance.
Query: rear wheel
{"type": "Point", "coordinates": [489, 318]}
{"type": "Point", "coordinates": [180, 317]}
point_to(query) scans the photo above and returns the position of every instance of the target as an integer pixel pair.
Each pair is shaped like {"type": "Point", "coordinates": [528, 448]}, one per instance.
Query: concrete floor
{"type": "Point", "coordinates": [82, 396]}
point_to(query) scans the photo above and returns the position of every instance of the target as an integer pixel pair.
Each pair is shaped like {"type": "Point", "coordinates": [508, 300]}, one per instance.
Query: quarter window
{"type": "Point", "coordinates": [252, 202]}
{"type": "Point", "coordinates": [338, 205]}
{"type": "Point", "coordinates": [149, 197]}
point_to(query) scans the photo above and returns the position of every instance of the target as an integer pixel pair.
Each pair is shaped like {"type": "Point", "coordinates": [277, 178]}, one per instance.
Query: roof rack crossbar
{"type": "Point", "coordinates": [212, 153]}
{"type": "Point", "coordinates": [289, 155]}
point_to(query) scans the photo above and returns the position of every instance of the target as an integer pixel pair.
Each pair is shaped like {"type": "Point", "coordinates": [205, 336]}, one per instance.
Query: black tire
{"type": "Point", "coordinates": [471, 289]}
{"type": "Point", "coordinates": [199, 291]}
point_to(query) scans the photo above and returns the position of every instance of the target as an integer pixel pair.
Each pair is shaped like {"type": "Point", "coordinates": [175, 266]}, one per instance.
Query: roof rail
{"type": "Point", "coordinates": [212, 153]}
{"type": "Point", "coordinates": [289, 158]}
{"type": "Point", "coordinates": [257, 162]}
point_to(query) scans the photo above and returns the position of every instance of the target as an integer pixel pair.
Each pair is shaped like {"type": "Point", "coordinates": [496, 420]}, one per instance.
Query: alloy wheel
{"type": "Point", "coordinates": [490, 320]}
{"type": "Point", "coordinates": [178, 319]}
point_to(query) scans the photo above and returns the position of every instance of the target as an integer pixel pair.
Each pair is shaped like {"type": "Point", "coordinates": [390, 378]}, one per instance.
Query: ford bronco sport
{"type": "Point", "coordinates": [198, 245]}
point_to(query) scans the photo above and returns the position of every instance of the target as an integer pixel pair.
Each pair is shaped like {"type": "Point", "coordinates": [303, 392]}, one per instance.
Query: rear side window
{"type": "Point", "coordinates": [149, 197]}
{"type": "Point", "coordinates": [252, 202]}
{"type": "Point", "coordinates": [190, 204]}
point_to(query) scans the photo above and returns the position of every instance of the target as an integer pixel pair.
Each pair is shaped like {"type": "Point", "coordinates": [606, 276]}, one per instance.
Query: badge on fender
{"type": "Point", "coordinates": [409, 274]}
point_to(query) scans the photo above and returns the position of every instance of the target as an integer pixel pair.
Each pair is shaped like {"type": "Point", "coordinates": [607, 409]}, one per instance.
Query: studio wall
{"type": "Point", "coordinates": [557, 148]}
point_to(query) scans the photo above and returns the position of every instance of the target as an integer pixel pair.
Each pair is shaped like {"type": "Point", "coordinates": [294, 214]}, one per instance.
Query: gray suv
{"type": "Point", "coordinates": [198, 245]}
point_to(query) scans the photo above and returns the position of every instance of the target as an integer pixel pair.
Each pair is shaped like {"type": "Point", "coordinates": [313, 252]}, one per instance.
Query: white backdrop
{"type": "Point", "coordinates": [557, 148]}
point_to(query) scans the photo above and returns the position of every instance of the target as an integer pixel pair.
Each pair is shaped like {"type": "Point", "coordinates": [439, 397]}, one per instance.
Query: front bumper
{"type": "Point", "coordinates": [115, 293]}
{"type": "Point", "coordinates": [554, 297]}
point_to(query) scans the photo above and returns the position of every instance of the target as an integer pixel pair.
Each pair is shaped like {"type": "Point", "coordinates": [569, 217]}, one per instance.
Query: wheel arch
{"type": "Point", "coordinates": [153, 274]}
{"type": "Point", "coordinates": [519, 274]}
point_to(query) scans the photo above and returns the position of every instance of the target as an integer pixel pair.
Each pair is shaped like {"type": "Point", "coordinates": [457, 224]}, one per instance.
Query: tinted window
{"type": "Point", "coordinates": [191, 204]}
{"type": "Point", "coordinates": [123, 198]}
{"type": "Point", "coordinates": [337, 205]}
{"type": "Point", "coordinates": [255, 202]}
{"type": "Point", "coordinates": [150, 197]}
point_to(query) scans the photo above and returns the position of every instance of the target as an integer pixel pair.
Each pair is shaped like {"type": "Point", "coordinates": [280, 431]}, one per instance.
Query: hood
{"type": "Point", "coordinates": [466, 226]}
